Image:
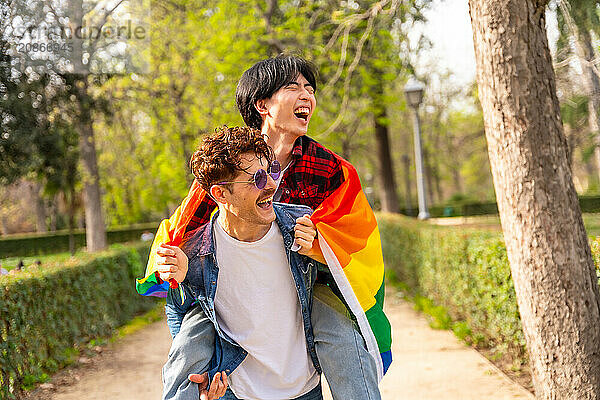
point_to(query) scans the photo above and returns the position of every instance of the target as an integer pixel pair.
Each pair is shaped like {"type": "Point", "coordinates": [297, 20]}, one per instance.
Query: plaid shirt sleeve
{"type": "Point", "coordinates": [202, 214]}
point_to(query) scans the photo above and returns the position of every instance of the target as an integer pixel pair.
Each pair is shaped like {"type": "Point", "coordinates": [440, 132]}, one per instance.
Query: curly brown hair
{"type": "Point", "coordinates": [217, 159]}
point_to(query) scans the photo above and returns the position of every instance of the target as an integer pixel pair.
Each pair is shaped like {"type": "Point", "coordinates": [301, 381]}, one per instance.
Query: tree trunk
{"type": "Point", "coordinates": [428, 176]}
{"type": "Point", "coordinates": [546, 242]}
{"type": "Point", "coordinates": [584, 50]}
{"type": "Point", "coordinates": [456, 179]}
{"type": "Point", "coordinates": [40, 207]}
{"type": "Point", "coordinates": [389, 197]}
{"type": "Point", "coordinates": [388, 192]}
{"type": "Point", "coordinates": [434, 163]}
{"type": "Point", "coordinates": [71, 220]}
{"type": "Point", "coordinates": [454, 165]}
{"type": "Point", "coordinates": [54, 212]}
{"type": "Point", "coordinates": [95, 230]}
{"type": "Point", "coordinates": [3, 225]}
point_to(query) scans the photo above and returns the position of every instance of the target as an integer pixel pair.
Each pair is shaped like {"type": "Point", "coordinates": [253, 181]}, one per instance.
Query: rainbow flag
{"type": "Point", "coordinates": [170, 231]}
{"type": "Point", "coordinates": [350, 242]}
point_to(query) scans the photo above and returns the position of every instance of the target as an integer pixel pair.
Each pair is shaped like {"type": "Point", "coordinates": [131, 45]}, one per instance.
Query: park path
{"type": "Point", "coordinates": [428, 364]}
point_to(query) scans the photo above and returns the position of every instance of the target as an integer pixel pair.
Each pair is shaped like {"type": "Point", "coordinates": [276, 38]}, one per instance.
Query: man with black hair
{"type": "Point", "coordinates": [277, 96]}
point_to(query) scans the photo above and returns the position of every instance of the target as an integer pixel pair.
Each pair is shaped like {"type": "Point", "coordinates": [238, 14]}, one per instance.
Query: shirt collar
{"type": "Point", "coordinates": [298, 150]}
{"type": "Point", "coordinates": [284, 220]}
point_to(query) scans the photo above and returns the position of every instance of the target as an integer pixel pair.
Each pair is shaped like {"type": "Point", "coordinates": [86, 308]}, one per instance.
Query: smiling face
{"type": "Point", "coordinates": [244, 207]}
{"type": "Point", "coordinates": [289, 109]}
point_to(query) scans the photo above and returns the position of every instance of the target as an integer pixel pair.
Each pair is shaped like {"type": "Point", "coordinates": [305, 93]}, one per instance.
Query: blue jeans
{"type": "Point", "coordinates": [349, 369]}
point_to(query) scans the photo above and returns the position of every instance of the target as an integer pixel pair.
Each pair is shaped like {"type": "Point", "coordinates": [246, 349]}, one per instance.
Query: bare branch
{"type": "Point", "coordinates": [349, 23]}
{"type": "Point", "coordinates": [94, 44]}
{"type": "Point", "coordinates": [108, 13]}
{"type": "Point", "coordinates": [565, 10]}
{"type": "Point", "coordinates": [564, 63]}
{"type": "Point", "coordinates": [313, 19]}
{"type": "Point", "coordinates": [342, 61]}
{"type": "Point", "coordinates": [333, 39]}
{"type": "Point", "coordinates": [351, 69]}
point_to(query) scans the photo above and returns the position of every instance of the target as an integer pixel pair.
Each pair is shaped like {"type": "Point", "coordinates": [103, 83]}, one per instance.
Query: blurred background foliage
{"type": "Point", "coordinates": [146, 125]}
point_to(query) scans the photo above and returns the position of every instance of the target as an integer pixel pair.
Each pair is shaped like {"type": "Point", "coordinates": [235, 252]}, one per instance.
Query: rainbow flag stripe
{"type": "Point", "coordinates": [350, 242]}
{"type": "Point", "coordinates": [170, 231]}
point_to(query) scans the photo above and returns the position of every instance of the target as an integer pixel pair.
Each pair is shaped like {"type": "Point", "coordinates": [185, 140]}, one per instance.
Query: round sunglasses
{"type": "Point", "coordinates": [260, 176]}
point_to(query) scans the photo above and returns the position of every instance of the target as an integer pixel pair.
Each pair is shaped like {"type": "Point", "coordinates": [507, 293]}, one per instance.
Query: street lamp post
{"type": "Point", "coordinates": [414, 95]}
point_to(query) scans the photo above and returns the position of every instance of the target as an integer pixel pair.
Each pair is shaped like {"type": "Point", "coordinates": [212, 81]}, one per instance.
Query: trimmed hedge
{"type": "Point", "coordinates": [465, 271]}
{"type": "Point", "coordinates": [57, 242]}
{"type": "Point", "coordinates": [464, 209]}
{"type": "Point", "coordinates": [45, 312]}
{"type": "Point", "coordinates": [588, 204]}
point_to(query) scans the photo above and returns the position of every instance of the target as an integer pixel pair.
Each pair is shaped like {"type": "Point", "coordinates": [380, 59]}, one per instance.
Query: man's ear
{"type": "Point", "coordinates": [217, 192]}
{"type": "Point", "coordinates": [261, 107]}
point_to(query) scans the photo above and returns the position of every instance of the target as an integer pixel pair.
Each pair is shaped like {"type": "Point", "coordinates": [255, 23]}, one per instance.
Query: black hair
{"type": "Point", "coordinates": [265, 78]}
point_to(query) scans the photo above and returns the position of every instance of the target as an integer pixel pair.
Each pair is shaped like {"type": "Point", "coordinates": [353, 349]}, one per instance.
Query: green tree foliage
{"type": "Point", "coordinates": [158, 118]}
{"type": "Point", "coordinates": [146, 125]}
{"type": "Point", "coordinates": [37, 139]}
{"type": "Point", "coordinates": [20, 129]}
{"type": "Point", "coordinates": [199, 50]}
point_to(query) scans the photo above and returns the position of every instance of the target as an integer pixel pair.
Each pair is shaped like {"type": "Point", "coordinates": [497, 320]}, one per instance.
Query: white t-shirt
{"type": "Point", "coordinates": [257, 305]}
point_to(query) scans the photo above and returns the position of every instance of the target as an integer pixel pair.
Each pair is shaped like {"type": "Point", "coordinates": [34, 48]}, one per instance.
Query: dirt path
{"type": "Point", "coordinates": [428, 364]}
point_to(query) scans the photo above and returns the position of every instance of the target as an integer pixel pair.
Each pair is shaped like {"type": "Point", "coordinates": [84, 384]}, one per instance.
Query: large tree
{"type": "Point", "coordinates": [34, 143]}
{"type": "Point", "coordinates": [551, 263]}
{"type": "Point", "coordinates": [53, 75]}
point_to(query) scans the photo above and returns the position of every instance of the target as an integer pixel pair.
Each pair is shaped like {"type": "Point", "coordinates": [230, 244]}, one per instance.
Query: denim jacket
{"type": "Point", "coordinates": [200, 286]}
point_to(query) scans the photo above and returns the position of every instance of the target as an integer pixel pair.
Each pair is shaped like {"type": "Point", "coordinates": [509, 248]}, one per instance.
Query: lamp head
{"type": "Point", "coordinates": [414, 92]}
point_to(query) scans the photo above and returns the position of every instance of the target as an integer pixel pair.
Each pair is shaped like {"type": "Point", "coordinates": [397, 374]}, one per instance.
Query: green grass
{"type": "Point", "coordinates": [153, 315]}
{"type": "Point", "coordinates": [591, 222]}
{"type": "Point", "coordinates": [51, 259]}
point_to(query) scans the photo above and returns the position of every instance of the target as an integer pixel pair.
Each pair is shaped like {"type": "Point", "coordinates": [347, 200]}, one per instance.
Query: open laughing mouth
{"type": "Point", "coordinates": [265, 203]}
{"type": "Point", "coordinates": [302, 113]}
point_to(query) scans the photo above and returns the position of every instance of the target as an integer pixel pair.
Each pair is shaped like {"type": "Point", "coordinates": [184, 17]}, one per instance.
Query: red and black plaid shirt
{"type": "Point", "coordinates": [314, 174]}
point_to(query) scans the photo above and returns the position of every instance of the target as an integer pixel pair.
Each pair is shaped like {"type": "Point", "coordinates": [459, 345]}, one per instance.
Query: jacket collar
{"type": "Point", "coordinates": [284, 219]}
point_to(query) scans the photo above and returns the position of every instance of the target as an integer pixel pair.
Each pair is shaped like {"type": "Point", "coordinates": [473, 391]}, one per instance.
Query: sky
{"type": "Point", "coordinates": [449, 29]}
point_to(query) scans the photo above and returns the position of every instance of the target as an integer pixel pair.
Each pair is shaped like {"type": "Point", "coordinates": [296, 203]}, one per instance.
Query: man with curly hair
{"type": "Point", "coordinates": [239, 272]}
{"type": "Point", "coordinates": [277, 97]}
